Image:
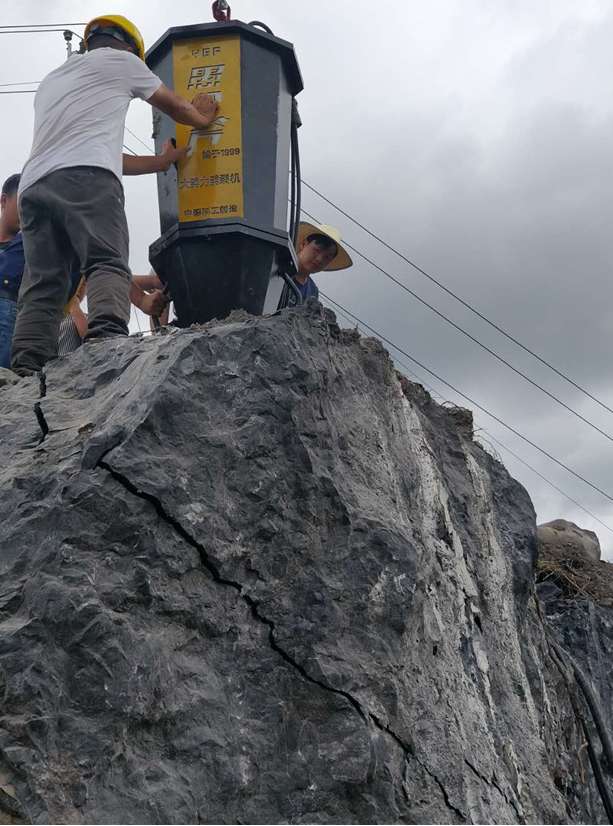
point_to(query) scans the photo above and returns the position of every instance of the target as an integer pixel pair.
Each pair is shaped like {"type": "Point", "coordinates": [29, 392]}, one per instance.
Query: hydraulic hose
{"type": "Point", "coordinates": [561, 657]}
{"type": "Point", "coordinates": [259, 25]}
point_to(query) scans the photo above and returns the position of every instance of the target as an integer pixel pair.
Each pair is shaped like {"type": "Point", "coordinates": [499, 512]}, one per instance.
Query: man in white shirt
{"type": "Point", "coordinates": [70, 195]}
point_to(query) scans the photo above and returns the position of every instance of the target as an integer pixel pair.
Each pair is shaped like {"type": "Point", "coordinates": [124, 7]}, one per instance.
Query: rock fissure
{"type": "Point", "coordinates": [42, 422]}
{"type": "Point", "coordinates": [496, 786]}
{"type": "Point", "coordinates": [253, 606]}
{"type": "Point", "coordinates": [444, 792]}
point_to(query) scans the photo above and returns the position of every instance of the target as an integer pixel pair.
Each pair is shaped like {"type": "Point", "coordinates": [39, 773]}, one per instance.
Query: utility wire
{"type": "Point", "coordinates": [549, 482]}
{"type": "Point", "coordinates": [464, 303]}
{"type": "Point", "coordinates": [23, 83]}
{"type": "Point", "coordinates": [435, 392]}
{"type": "Point", "coordinates": [464, 332]}
{"type": "Point", "coordinates": [131, 151]}
{"type": "Point", "coordinates": [40, 25]}
{"type": "Point", "coordinates": [15, 30]}
{"type": "Point", "coordinates": [17, 91]}
{"type": "Point", "coordinates": [470, 400]}
{"type": "Point", "coordinates": [142, 143]}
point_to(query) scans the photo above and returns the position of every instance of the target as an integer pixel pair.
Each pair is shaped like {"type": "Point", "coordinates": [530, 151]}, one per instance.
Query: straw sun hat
{"type": "Point", "coordinates": [342, 260]}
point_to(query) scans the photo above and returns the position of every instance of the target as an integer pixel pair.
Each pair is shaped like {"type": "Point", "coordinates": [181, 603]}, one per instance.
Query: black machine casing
{"type": "Point", "coordinates": [214, 265]}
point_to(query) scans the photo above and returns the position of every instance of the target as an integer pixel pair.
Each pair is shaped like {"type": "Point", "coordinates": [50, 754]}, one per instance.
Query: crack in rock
{"type": "Point", "coordinates": [42, 422]}
{"type": "Point", "coordinates": [493, 783]}
{"type": "Point", "coordinates": [366, 715]}
{"type": "Point", "coordinates": [448, 802]}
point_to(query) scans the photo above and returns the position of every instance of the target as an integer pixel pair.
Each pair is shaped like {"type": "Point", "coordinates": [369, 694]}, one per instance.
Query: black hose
{"type": "Point", "coordinates": [259, 25]}
{"type": "Point", "coordinates": [559, 655]}
{"type": "Point", "coordinates": [594, 706]}
{"type": "Point", "coordinates": [298, 202]}
{"type": "Point", "coordinates": [292, 197]}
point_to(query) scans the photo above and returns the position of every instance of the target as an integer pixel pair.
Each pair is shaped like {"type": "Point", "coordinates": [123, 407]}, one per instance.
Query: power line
{"type": "Point", "coordinates": [549, 482]}
{"type": "Point", "coordinates": [131, 151]}
{"type": "Point", "coordinates": [464, 303]}
{"type": "Point", "coordinates": [435, 392]}
{"type": "Point", "coordinates": [15, 30]}
{"type": "Point", "coordinates": [134, 135]}
{"type": "Point", "coordinates": [40, 25]}
{"type": "Point", "coordinates": [23, 83]}
{"type": "Point", "coordinates": [469, 399]}
{"type": "Point", "coordinates": [17, 91]}
{"type": "Point", "coordinates": [464, 332]}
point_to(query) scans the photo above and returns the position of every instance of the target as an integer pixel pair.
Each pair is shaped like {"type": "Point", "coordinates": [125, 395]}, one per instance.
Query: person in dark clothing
{"type": "Point", "coordinates": [11, 265]}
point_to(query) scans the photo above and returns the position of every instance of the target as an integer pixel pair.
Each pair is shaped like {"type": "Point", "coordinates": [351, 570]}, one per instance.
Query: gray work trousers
{"type": "Point", "coordinates": [71, 220]}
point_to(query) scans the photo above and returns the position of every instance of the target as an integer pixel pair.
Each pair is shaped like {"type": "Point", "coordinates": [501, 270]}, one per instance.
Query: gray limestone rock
{"type": "Point", "coordinates": [248, 577]}
{"type": "Point", "coordinates": [561, 536]}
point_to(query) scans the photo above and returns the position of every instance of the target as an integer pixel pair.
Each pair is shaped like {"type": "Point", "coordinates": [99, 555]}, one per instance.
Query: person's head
{"type": "Point", "coordinates": [115, 32]}
{"type": "Point", "coordinates": [9, 213]}
{"type": "Point", "coordinates": [319, 248]}
{"type": "Point", "coordinates": [315, 253]}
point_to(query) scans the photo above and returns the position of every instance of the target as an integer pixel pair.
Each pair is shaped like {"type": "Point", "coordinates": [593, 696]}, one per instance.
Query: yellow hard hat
{"type": "Point", "coordinates": [122, 23]}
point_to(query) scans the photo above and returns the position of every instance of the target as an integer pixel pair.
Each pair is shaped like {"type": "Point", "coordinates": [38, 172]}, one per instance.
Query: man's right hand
{"type": "Point", "coordinates": [154, 303]}
{"type": "Point", "coordinates": [207, 106]}
{"type": "Point", "coordinates": [199, 114]}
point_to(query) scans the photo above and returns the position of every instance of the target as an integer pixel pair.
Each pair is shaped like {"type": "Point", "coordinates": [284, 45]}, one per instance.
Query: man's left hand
{"type": "Point", "coordinates": [172, 154]}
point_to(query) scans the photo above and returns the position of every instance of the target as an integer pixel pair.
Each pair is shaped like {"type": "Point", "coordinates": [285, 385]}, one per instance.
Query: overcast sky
{"type": "Point", "coordinates": [475, 137]}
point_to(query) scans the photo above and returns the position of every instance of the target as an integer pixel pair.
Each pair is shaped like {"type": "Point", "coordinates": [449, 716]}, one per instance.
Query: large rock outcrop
{"type": "Point", "coordinates": [246, 577]}
{"type": "Point", "coordinates": [561, 535]}
{"type": "Point", "coordinates": [576, 592]}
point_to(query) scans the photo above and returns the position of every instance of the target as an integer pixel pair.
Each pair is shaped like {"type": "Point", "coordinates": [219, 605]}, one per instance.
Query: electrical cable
{"type": "Point", "coordinates": [38, 31]}
{"type": "Point", "coordinates": [39, 25]}
{"type": "Point", "coordinates": [464, 303]}
{"type": "Point", "coordinates": [549, 482]}
{"type": "Point", "coordinates": [135, 136]}
{"type": "Point", "coordinates": [471, 400]}
{"type": "Point", "coordinates": [468, 335]}
{"type": "Point", "coordinates": [23, 83]}
{"type": "Point", "coordinates": [516, 456]}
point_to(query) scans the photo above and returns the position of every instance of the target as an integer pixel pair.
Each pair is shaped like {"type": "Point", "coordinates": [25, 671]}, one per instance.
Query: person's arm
{"type": "Point", "coordinates": [79, 317]}
{"type": "Point", "coordinates": [145, 164]}
{"type": "Point", "coordinates": [150, 303]}
{"type": "Point", "coordinates": [199, 114]}
{"type": "Point", "coordinates": [148, 282]}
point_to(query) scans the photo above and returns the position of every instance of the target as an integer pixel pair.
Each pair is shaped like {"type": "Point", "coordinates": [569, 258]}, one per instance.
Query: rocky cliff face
{"type": "Point", "coordinates": [248, 576]}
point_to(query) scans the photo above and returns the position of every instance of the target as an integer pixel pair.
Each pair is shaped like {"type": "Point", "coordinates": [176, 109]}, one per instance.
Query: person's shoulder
{"type": "Point", "coordinates": [128, 60]}
{"type": "Point", "coordinates": [106, 56]}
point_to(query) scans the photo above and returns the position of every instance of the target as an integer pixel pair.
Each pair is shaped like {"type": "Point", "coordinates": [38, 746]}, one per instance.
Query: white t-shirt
{"type": "Point", "coordinates": [80, 111]}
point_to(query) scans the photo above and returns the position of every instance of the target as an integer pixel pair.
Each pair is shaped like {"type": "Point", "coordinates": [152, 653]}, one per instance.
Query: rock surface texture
{"type": "Point", "coordinates": [561, 535]}
{"type": "Point", "coordinates": [249, 578]}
